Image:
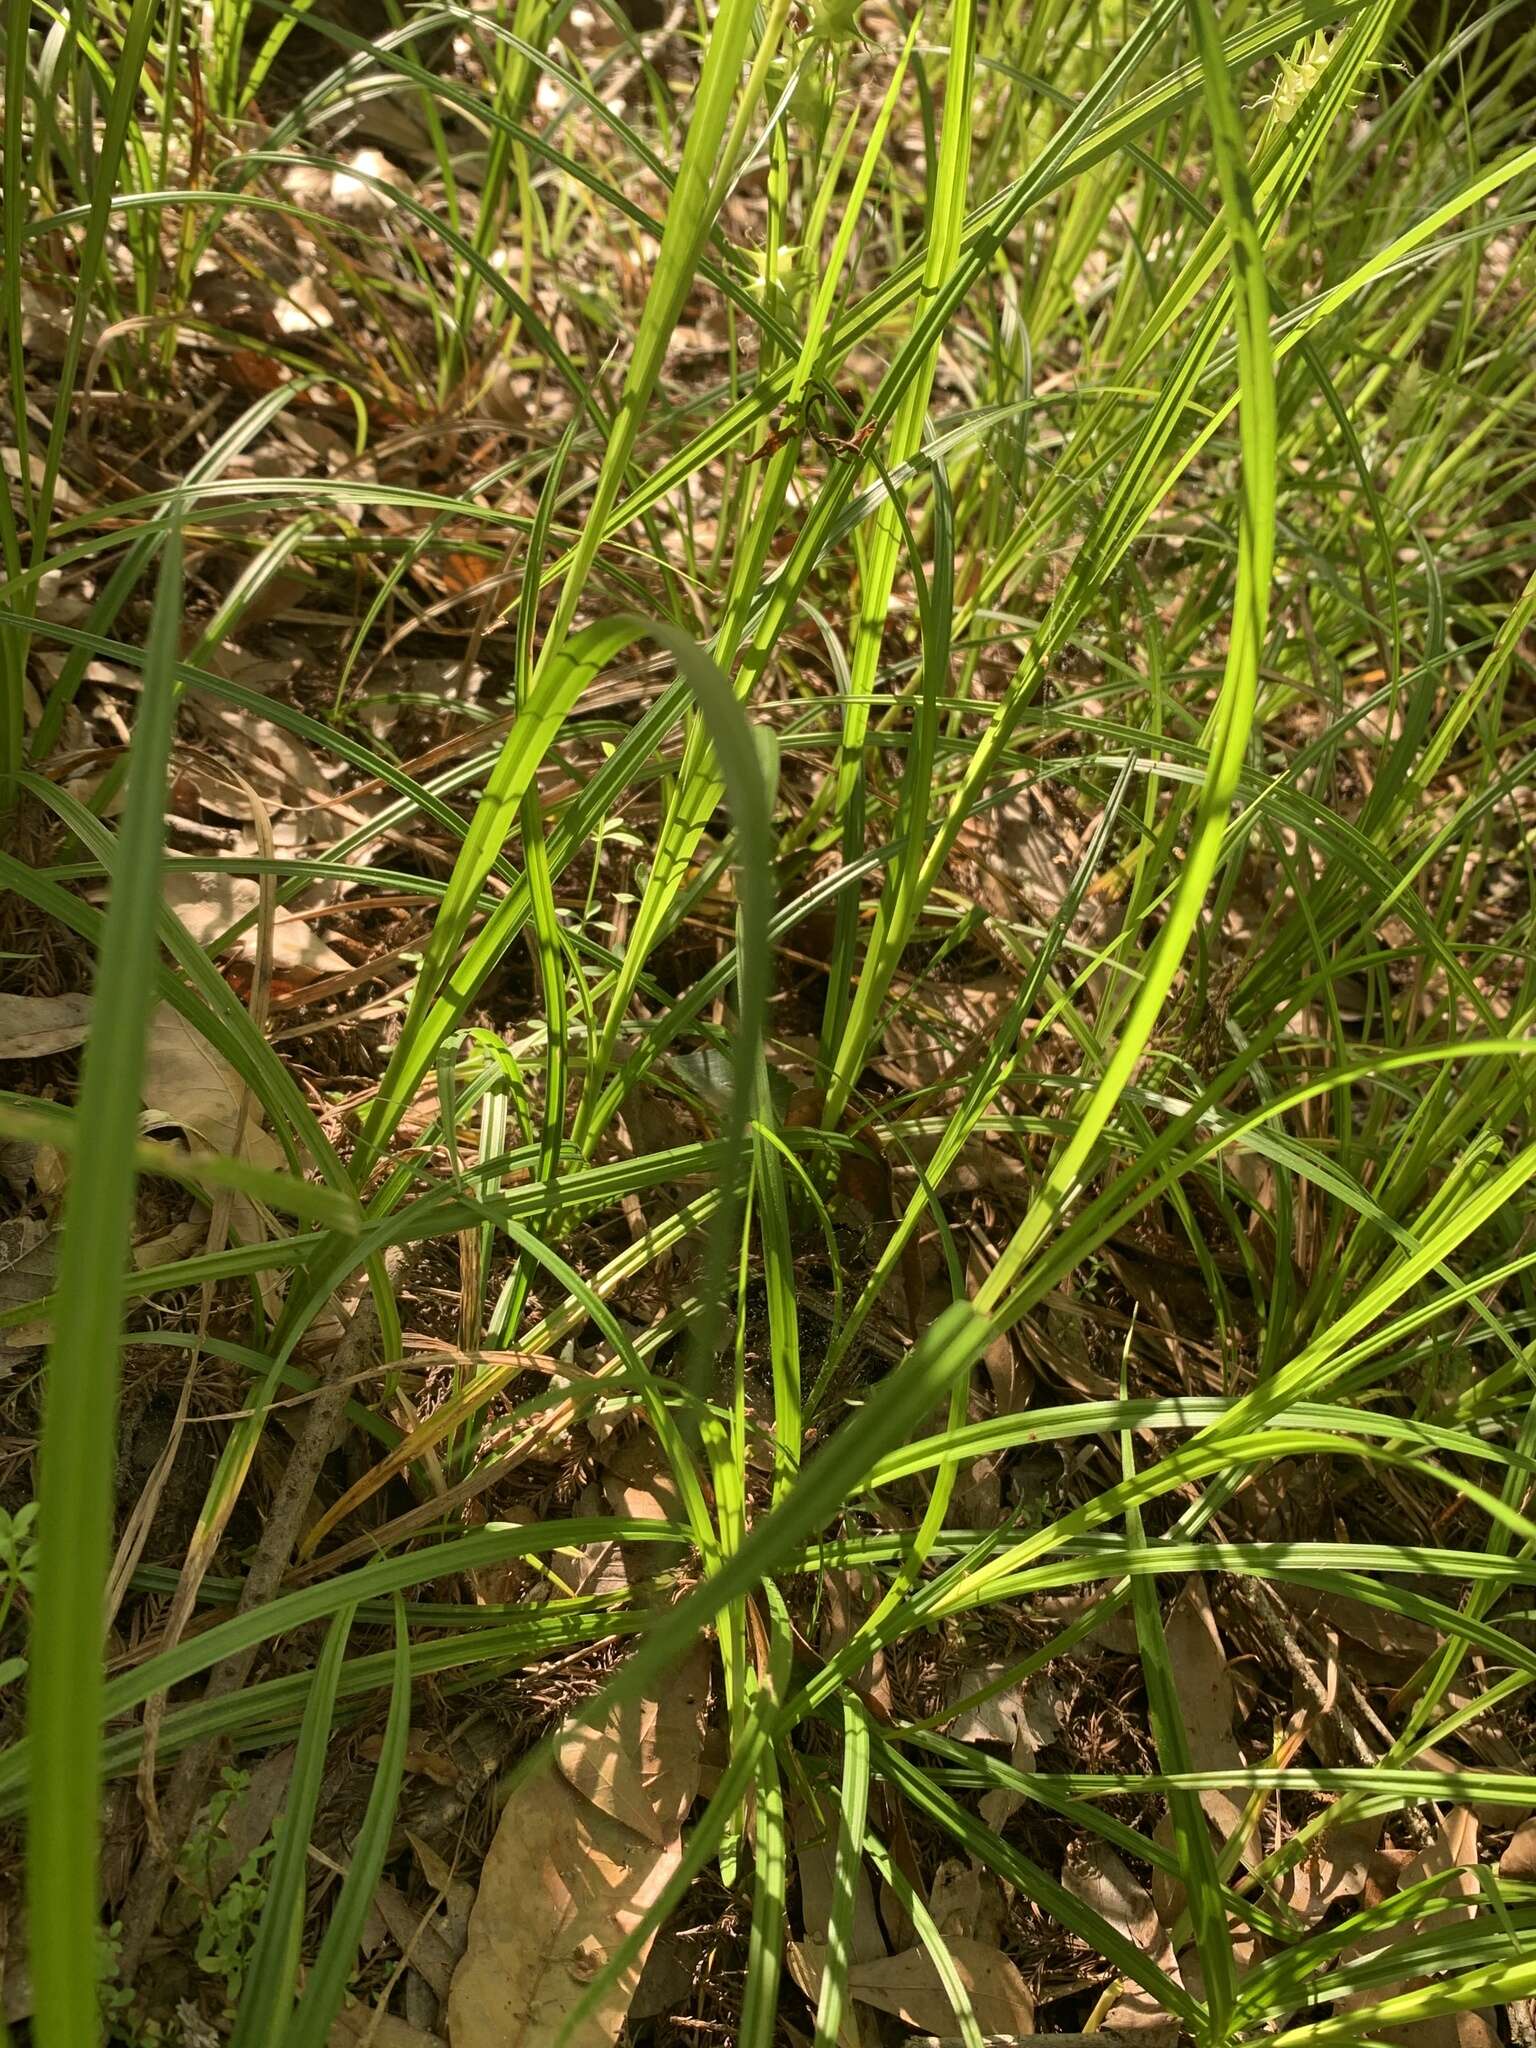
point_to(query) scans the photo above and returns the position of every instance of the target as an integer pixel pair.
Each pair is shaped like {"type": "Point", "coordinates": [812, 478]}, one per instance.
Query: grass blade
{"type": "Point", "coordinates": [80, 1395]}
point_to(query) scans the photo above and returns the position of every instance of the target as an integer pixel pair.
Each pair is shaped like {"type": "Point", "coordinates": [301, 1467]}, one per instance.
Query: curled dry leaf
{"type": "Point", "coordinates": [816, 1859]}
{"type": "Point", "coordinates": [1204, 1686]}
{"type": "Point", "coordinates": [1519, 1859]}
{"type": "Point", "coordinates": [208, 904]}
{"type": "Point", "coordinates": [908, 1985]}
{"type": "Point", "coordinates": [188, 1084]}
{"type": "Point", "coordinates": [29, 1259]}
{"type": "Point", "coordinates": [1023, 1720]}
{"type": "Point", "coordinates": [31, 1027]}
{"type": "Point", "coordinates": [641, 1764]}
{"type": "Point", "coordinates": [1452, 1855]}
{"type": "Point", "coordinates": [1096, 1876]}
{"type": "Point", "coordinates": [566, 1882]}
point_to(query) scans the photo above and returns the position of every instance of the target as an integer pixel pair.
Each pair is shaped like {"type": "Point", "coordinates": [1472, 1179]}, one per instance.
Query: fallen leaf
{"type": "Point", "coordinates": [816, 1859]}
{"type": "Point", "coordinates": [848, 1597]}
{"type": "Point", "coordinates": [278, 765]}
{"type": "Point", "coordinates": [28, 1267]}
{"type": "Point", "coordinates": [908, 1986]}
{"type": "Point", "coordinates": [563, 1885]}
{"type": "Point", "coordinates": [31, 1027]}
{"type": "Point", "coordinates": [1206, 1701]}
{"type": "Point", "coordinates": [1030, 1711]}
{"type": "Point", "coordinates": [1137, 2017]}
{"type": "Point", "coordinates": [456, 1893]}
{"type": "Point", "coordinates": [207, 904]}
{"type": "Point", "coordinates": [1453, 1854]}
{"type": "Point", "coordinates": [937, 1036]}
{"type": "Point", "coordinates": [418, 1933]}
{"type": "Point", "coordinates": [1337, 1868]}
{"type": "Point", "coordinates": [667, 1979]}
{"type": "Point", "coordinates": [1394, 1637]}
{"type": "Point", "coordinates": [1022, 1719]}
{"type": "Point", "coordinates": [966, 1900]}
{"type": "Point", "coordinates": [1096, 1876]}
{"type": "Point", "coordinates": [1519, 1859]}
{"type": "Point", "coordinates": [188, 1084]}
{"type": "Point", "coordinates": [359, 2026]}
{"type": "Point", "coordinates": [641, 1765]}
{"type": "Point", "coordinates": [419, 1763]}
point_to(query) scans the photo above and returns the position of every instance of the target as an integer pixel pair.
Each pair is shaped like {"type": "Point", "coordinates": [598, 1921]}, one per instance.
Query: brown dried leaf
{"type": "Point", "coordinates": [1519, 1859]}
{"type": "Point", "coordinates": [938, 1034]}
{"type": "Point", "coordinates": [1025, 1719]}
{"type": "Point", "coordinates": [666, 1982]}
{"type": "Point", "coordinates": [1029, 1712]}
{"type": "Point", "coordinates": [359, 2026]}
{"type": "Point", "coordinates": [31, 1027]}
{"type": "Point", "coordinates": [908, 1985]}
{"type": "Point", "coordinates": [418, 1934]}
{"type": "Point", "coordinates": [208, 904]}
{"type": "Point", "coordinates": [28, 1267]}
{"type": "Point", "coordinates": [1137, 2017]}
{"type": "Point", "coordinates": [1204, 1686]}
{"type": "Point", "coordinates": [641, 1765]}
{"type": "Point", "coordinates": [816, 1858]}
{"type": "Point", "coordinates": [563, 1885]}
{"type": "Point", "coordinates": [188, 1084]}
{"type": "Point", "coordinates": [965, 1899]}
{"type": "Point", "coordinates": [457, 1895]}
{"type": "Point", "coordinates": [1094, 1874]}
{"type": "Point", "coordinates": [1454, 1853]}
{"type": "Point", "coordinates": [1337, 1868]}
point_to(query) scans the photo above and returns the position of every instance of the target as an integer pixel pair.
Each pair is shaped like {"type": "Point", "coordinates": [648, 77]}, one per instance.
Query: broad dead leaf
{"type": "Point", "coordinates": [816, 1859]}
{"type": "Point", "coordinates": [29, 1258]}
{"type": "Point", "coordinates": [1137, 2017]}
{"type": "Point", "coordinates": [908, 1986]}
{"type": "Point", "coordinates": [641, 1765]}
{"type": "Point", "coordinates": [966, 1899]}
{"type": "Point", "coordinates": [1204, 1687]}
{"type": "Point", "coordinates": [565, 1883]}
{"type": "Point", "coordinates": [457, 1895]}
{"type": "Point", "coordinates": [31, 1027]}
{"type": "Point", "coordinates": [208, 904]}
{"type": "Point", "coordinates": [1096, 1876]}
{"type": "Point", "coordinates": [937, 1036]}
{"type": "Point", "coordinates": [1519, 1859]}
{"type": "Point", "coordinates": [1024, 1720]}
{"type": "Point", "coordinates": [1453, 1854]}
{"type": "Point", "coordinates": [281, 768]}
{"type": "Point", "coordinates": [1395, 1638]}
{"type": "Point", "coordinates": [186, 1083]}
{"type": "Point", "coordinates": [417, 1932]}
{"type": "Point", "coordinates": [359, 2026]}
{"type": "Point", "coordinates": [1336, 1869]}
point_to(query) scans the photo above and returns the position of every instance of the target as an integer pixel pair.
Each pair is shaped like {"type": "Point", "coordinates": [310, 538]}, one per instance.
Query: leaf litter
{"type": "Point", "coordinates": [581, 1852]}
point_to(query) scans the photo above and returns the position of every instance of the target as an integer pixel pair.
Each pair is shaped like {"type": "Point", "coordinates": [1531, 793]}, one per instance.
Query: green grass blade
{"type": "Point", "coordinates": [333, 1967]}
{"type": "Point", "coordinates": [266, 2009]}
{"type": "Point", "coordinates": [80, 1391]}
